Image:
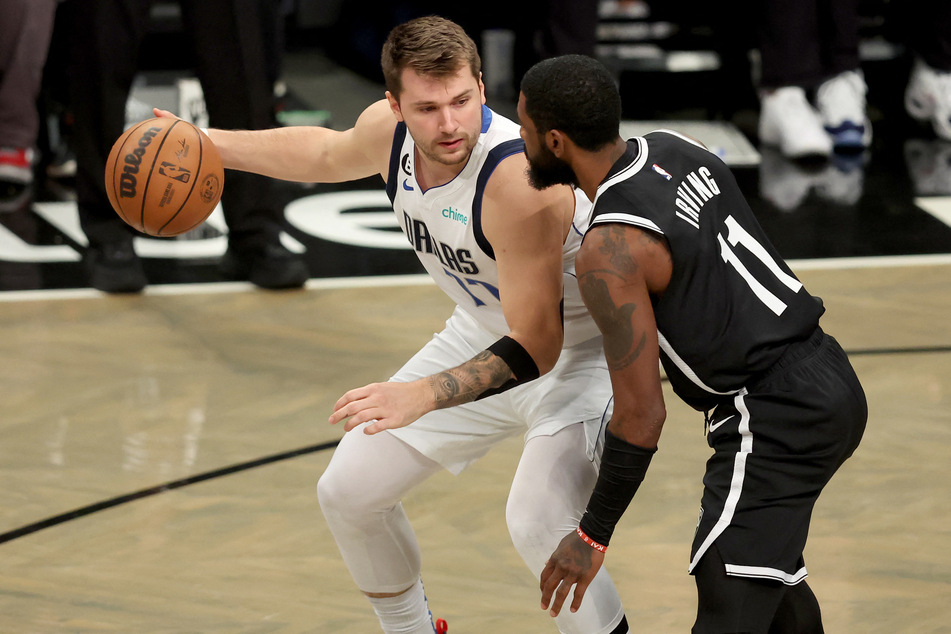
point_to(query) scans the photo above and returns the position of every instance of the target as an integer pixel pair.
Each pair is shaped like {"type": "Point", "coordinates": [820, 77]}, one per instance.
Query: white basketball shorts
{"type": "Point", "coordinates": [576, 390]}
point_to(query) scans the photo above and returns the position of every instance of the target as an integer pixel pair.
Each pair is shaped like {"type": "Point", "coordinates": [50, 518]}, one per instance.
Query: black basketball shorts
{"type": "Point", "coordinates": [776, 445]}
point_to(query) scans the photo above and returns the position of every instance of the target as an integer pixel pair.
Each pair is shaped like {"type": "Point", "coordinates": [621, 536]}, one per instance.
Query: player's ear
{"type": "Point", "coordinates": [556, 142]}
{"type": "Point", "coordinates": [394, 106]}
{"type": "Point", "coordinates": [481, 87]}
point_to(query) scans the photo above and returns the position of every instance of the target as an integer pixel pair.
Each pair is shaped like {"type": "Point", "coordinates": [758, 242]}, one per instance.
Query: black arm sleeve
{"type": "Point", "coordinates": [623, 466]}
{"type": "Point", "coordinates": [519, 361]}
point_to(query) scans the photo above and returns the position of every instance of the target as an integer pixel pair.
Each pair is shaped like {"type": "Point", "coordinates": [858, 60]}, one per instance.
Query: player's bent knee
{"type": "Point", "coordinates": [328, 495]}
{"type": "Point", "coordinates": [341, 494]}
{"type": "Point", "coordinates": [532, 536]}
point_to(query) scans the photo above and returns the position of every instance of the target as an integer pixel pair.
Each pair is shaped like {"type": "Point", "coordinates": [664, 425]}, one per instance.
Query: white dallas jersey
{"type": "Point", "coordinates": [443, 225]}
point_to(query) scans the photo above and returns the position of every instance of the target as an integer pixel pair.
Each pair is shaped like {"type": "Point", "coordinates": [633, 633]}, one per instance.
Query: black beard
{"type": "Point", "coordinates": [547, 171]}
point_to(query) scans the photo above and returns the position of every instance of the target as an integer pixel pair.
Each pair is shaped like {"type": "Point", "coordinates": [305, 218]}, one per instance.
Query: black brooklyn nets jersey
{"type": "Point", "coordinates": [732, 305]}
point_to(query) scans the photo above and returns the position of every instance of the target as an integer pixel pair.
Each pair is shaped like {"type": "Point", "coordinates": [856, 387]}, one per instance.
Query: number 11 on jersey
{"type": "Point", "coordinates": [737, 235]}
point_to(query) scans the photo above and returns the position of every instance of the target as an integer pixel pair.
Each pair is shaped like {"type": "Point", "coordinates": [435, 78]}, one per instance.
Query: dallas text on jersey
{"type": "Point", "coordinates": [419, 237]}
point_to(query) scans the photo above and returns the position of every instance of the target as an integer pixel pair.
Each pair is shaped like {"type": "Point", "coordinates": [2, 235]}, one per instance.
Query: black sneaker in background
{"type": "Point", "coordinates": [269, 266]}
{"type": "Point", "coordinates": [115, 268]}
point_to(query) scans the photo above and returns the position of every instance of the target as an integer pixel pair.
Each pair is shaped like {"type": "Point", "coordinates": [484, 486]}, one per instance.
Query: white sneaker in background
{"type": "Point", "coordinates": [789, 184]}
{"type": "Point", "coordinates": [843, 180]}
{"type": "Point", "coordinates": [929, 166]}
{"type": "Point", "coordinates": [842, 106]}
{"type": "Point", "coordinates": [928, 96]}
{"type": "Point", "coordinates": [788, 121]}
{"type": "Point", "coordinates": [783, 182]}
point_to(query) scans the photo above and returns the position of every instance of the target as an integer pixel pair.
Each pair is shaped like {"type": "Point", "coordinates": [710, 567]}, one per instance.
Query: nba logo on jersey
{"type": "Point", "coordinates": [660, 170]}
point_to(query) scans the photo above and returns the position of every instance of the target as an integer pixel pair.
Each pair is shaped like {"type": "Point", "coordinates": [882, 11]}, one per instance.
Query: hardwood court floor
{"type": "Point", "coordinates": [104, 397]}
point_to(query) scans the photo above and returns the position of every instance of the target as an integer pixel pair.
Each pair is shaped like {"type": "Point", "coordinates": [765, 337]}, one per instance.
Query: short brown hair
{"type": "Point", "coordinates": [431, 46]}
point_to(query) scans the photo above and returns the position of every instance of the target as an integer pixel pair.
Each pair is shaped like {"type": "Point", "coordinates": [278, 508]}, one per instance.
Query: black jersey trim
{"type": "Point", "coordinates": [393, 176]}
{"type": "Point", "coordinates": [496, 156]}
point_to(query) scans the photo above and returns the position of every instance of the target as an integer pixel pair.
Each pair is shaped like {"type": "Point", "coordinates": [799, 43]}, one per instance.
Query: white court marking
{"type": "Point", "coordinates": [937, 206]}
{"type": "Point", "coordinates": [370, 281]}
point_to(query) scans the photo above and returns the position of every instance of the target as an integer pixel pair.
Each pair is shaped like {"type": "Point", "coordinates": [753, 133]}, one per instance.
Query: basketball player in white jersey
{"type": "Point", "coordinates": [519, 354]}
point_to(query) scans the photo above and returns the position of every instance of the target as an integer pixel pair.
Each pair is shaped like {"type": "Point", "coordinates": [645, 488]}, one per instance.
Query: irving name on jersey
{"type": "Point", "coordinates": [692, 193]}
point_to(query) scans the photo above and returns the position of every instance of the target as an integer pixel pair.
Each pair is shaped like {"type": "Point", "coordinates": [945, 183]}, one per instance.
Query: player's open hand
{"type": "Point", "coordinates": [574, 563]}
{"type": "Point", "coordinates": [389, 405]}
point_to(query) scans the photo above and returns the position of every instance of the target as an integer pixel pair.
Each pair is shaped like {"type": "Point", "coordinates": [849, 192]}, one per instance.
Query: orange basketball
{"type": "Point", "coordinates": [164, 176]}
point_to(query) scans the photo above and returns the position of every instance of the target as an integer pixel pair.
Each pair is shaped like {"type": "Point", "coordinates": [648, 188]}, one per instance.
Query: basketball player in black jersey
{"type": "Point", "coordinates": [675, 264]}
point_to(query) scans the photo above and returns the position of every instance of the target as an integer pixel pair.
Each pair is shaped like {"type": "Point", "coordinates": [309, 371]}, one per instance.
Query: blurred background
{"type": "Point", "coordinates": [694, 66]}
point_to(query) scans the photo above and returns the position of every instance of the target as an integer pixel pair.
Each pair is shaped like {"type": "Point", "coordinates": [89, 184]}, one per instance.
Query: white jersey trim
{"type": "Point", "coordinates": [686, 369]}
{"type": "Point", "coordinates": [639, 161]}
{"type": "Point", "coordinates": [760, 572]}
{"type": "Point", "coordinates": [627, 219]}
{"type": "Point", "coordinates": [683, 136]}
{"type": "Point", "coordinates": [736, 484]}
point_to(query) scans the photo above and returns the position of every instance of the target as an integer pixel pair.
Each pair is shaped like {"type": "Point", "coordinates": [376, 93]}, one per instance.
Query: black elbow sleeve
{"type": "Point", "coordinates": [518, 360]}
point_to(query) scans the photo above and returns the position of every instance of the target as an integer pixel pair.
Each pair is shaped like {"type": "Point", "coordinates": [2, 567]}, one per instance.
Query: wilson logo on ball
{"type": "Point", "coordinates": [133, 160]}
{"type": "Point", "coordinates": [164, 176]}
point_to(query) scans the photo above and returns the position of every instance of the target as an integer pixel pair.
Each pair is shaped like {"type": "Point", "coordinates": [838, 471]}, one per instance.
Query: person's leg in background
{"type": "Point", "coordinates": [787, 37]}
{"type": "Point", "coordinates": [928, 92]}
{"type": "Point", "coordinates": [26, 27]}
{"type": "Point", "coordinates": [569, 27]}
{"type": "Point", "coordinates": [103, 56]}
{"type": "Point", "coordinates": [841, 97]}
{"type": "Point", "coordinates": [235, 65]}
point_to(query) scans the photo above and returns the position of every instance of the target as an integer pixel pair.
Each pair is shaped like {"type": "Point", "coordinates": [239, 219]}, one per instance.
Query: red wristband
{"type": "Point", "coordinates": [589, 541]}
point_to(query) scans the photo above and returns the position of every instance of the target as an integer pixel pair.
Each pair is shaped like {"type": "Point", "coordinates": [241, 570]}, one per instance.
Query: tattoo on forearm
{"type": "Point", "coordinates": [444, 386]}
{"type": "Point", "coordinates": [622, 346]}
{"type": "Point", "coordinates": [466, 382]}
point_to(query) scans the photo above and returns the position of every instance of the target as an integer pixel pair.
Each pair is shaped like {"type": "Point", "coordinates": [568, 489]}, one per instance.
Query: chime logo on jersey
{"type": "Point", "coordinates": [454, 214]}
{"type": "Point", "coordinates": [660, 170]}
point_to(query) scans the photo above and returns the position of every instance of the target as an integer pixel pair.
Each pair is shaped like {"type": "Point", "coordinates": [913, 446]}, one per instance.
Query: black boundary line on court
{"type": "Point", "coordinates": [162, 488]}
{"type": "Point", "coordinates": [872, 351]}
{"type": "Point", "coordinates": [260, 462]}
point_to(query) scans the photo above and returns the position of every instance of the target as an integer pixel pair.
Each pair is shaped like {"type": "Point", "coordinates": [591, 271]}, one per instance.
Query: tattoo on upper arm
{"type": "Point", "coordinates": [622, 346]}
{"type": "Point", "coordinates": [466, 382]}
{"type": "Point", "coordinates": [614, 246]}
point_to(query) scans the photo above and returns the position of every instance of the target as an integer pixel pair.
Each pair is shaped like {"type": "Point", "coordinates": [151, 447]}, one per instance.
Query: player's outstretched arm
{"type": "Point", "coordinates": [618, 268]}
{"type": "Point", "coordinates": [310, 154]}
{"type": "Point", "coordinates": [391, 405]}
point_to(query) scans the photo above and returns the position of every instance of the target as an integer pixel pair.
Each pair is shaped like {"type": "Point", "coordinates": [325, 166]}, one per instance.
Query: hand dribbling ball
{"type": "Point", "coordinates": [164, 176]}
